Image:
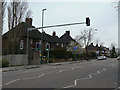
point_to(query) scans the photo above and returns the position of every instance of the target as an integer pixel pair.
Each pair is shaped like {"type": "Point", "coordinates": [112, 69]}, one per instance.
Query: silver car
{"type": "Point", "coordinates": [118, 58]}
{"type": "Point", "coordinates": [101, 57]}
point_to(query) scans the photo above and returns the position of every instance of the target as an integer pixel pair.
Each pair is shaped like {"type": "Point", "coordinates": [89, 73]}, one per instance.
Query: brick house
{"type": "Point", "coordinates": [15, 40]}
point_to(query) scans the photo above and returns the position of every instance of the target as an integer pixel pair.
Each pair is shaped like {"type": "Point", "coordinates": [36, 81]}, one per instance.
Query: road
{"type": "Point", "coordinates": [86, 74]}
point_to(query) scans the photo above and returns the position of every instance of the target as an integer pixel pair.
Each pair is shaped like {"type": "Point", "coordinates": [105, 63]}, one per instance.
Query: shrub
{"type": "Point", "coordinates": [60, 54]}
{"type": "Point", "coordinates": [5, 63]}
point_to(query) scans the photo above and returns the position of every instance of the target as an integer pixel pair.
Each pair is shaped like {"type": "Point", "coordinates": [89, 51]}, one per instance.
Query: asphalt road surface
{"type": "Point", "coordinates": [86, 74]}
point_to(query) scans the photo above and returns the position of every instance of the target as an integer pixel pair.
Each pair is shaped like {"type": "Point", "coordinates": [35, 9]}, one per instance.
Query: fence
{"type": "Point", "coordinates": [18, 59]}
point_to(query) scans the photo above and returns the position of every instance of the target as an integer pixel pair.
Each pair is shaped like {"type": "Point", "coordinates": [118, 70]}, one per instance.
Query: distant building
{"type": "Point", "coordinates": [98, 49]}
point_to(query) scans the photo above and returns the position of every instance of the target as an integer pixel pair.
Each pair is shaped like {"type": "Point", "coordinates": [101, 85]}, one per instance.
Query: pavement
{"type": "Point", "coordinates": [85, 74]}
{"type": "Point", "coordinates": [35, 66]}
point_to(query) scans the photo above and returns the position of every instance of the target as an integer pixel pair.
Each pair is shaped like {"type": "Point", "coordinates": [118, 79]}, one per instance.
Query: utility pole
{"type": "Point", "coordinates": [27, 45]}
{"type": "Point", "coordinates": [47, 49]}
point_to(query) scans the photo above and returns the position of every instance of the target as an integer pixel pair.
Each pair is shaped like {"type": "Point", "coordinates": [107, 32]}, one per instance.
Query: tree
{"type": "Point", "coordinates": [17, 12]}
{"type": "Point", "coordinates": [97, 41]}
{"type": "Point", "coordinates": [75, 44]}
{"type": "Point", "coordinates": [113, 51]}
{"type": "Point", "coordinates": [118, 6]}
{"type": "Point", "coordinates": [4, 3]}
{"type": "Point", "coordinates": [86, 37]}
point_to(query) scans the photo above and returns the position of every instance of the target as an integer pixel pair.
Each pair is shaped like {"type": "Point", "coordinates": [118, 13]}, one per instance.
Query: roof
{"type": "Point", "coordinates": [66, 38]}
{"type": "Point", "coordinates": [21, 31]}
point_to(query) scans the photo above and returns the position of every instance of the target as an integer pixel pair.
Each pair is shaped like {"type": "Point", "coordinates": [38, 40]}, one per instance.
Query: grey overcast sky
{"type": "Point", "coordinates": [103, 16]}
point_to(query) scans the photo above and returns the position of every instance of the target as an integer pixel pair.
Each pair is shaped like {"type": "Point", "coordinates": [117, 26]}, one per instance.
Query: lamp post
{"type": "Point", "coordinates": [27, 47]}
{"type": "Point", "coordinates": [42, 33]}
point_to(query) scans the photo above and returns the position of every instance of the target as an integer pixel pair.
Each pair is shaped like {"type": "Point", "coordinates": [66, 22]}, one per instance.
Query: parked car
{"type": "Point", "coordinates": [118, 58]}
{"type": "Point", "coordinates": [101, 57]}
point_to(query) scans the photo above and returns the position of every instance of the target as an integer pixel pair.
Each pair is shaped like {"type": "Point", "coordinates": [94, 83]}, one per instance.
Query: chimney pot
{"type": "Point", "coordinates": [68, 32]}
{"type": "Point", "coordinates": [29, 21]}
{"type": "Point", "coordinates": [54, 33]}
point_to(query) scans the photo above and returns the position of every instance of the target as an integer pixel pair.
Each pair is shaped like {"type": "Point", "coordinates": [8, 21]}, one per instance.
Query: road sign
{"type": "Point", "coordinates": [75, 48]}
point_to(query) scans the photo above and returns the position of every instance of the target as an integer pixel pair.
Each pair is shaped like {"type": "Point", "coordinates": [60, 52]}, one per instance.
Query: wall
{"type": "Point", "coordinates": [18, 59]}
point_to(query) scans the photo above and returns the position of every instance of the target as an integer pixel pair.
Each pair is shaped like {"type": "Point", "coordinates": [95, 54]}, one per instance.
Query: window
{"type": "Point", "coordinates": [62, 45]}
{"type": "Point", "coordinates": [31, 41]}
{"type": "Point", "coordinates": [57, 44]}
{"type": "Point", "coordinates": [21, 44]}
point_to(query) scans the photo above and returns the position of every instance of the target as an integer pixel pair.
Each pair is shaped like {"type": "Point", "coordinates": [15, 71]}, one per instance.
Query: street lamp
{"type": "Point", "coordinates": [42, 32]}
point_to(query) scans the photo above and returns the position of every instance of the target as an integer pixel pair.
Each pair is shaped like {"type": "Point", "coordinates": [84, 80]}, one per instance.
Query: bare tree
{"type": "Point", "coordinates": [86, 37]}
{"type": "Point", "coordinates": [73, 44]}
{"type": "Point", "coordinates": [17, 12]}
{"type": "Point", "coordinates": [113, 50]}
{"type": "Point", "coordinates": [101, 44]}
{"type": "Point", "coordinates": [4, 3]}
{"type": "Point", "coordinates": [97, 41]}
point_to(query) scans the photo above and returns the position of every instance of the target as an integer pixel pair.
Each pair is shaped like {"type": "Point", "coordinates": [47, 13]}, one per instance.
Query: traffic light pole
{"type": "Point", "coordinates": [27, 49]}
{"type": "Point", "coordinates": [48, 57]}
{"type": "Point", "coordinates": [87, 23]}
{"type": "Point", "coordinates": [57, 25]}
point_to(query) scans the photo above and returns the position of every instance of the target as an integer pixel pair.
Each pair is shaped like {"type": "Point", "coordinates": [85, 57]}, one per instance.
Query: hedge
{"type": "Point", "coordinates": [5, 63]}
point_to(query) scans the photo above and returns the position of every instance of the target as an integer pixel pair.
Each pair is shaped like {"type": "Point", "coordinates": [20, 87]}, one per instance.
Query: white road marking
{"type": "Point", "coordinates": [90, 75]}
{"type": "Point", "coordinates": [29, 78]}
{"type": "Point", "coordinates": [94, 73]}
{"type": "Point", "coordinates": [112, 65]}
{"type": "Point", "coordinates": [33, 77]}
{"type": "Point", "coordinates": [75, 83]}
{"type": "Point", "coordinates": [115, 84]}
{"type": "Point", "coordinates": [104, 69]}
{"type": "Point", "coordinates": [60, 71]}
{"type": "Point", "coordinates": [12, 81]}
{"type": "Point", "coordinates": [73, 68]}
{"type": "Point", "coordinates": [41, 75]}
{"type": "Point", "coordinates": [26, 71]}
{"type": "Point", "coordinates": [98, 72]}
{"type": "Point", "coordinates": [69, 86]}
{"type": "Point", "coordinates": [85, 78]}
{"type": "Point", "coordinates": [55, 66]}
{"type": "Point", "coordinates": [0, 85]}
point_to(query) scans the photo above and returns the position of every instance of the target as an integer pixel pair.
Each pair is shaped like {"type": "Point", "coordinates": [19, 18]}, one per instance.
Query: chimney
{"type": "Point", "coordinates": [96, 45]}
{"type": "Point", "coordinates": [68, 33]}
{"type": "Point", "coordinates": [54, 33]}
{"type": "Point", "coordinates": [29, 21]}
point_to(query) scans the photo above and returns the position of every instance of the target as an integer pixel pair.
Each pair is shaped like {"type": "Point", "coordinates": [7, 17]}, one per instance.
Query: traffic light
{"type": "Point", "coordinates": [38, 46]}
{"type": "Point", "coordinates": [87, 21]}
{"type": "Point", "coordinates": [47, 47]}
